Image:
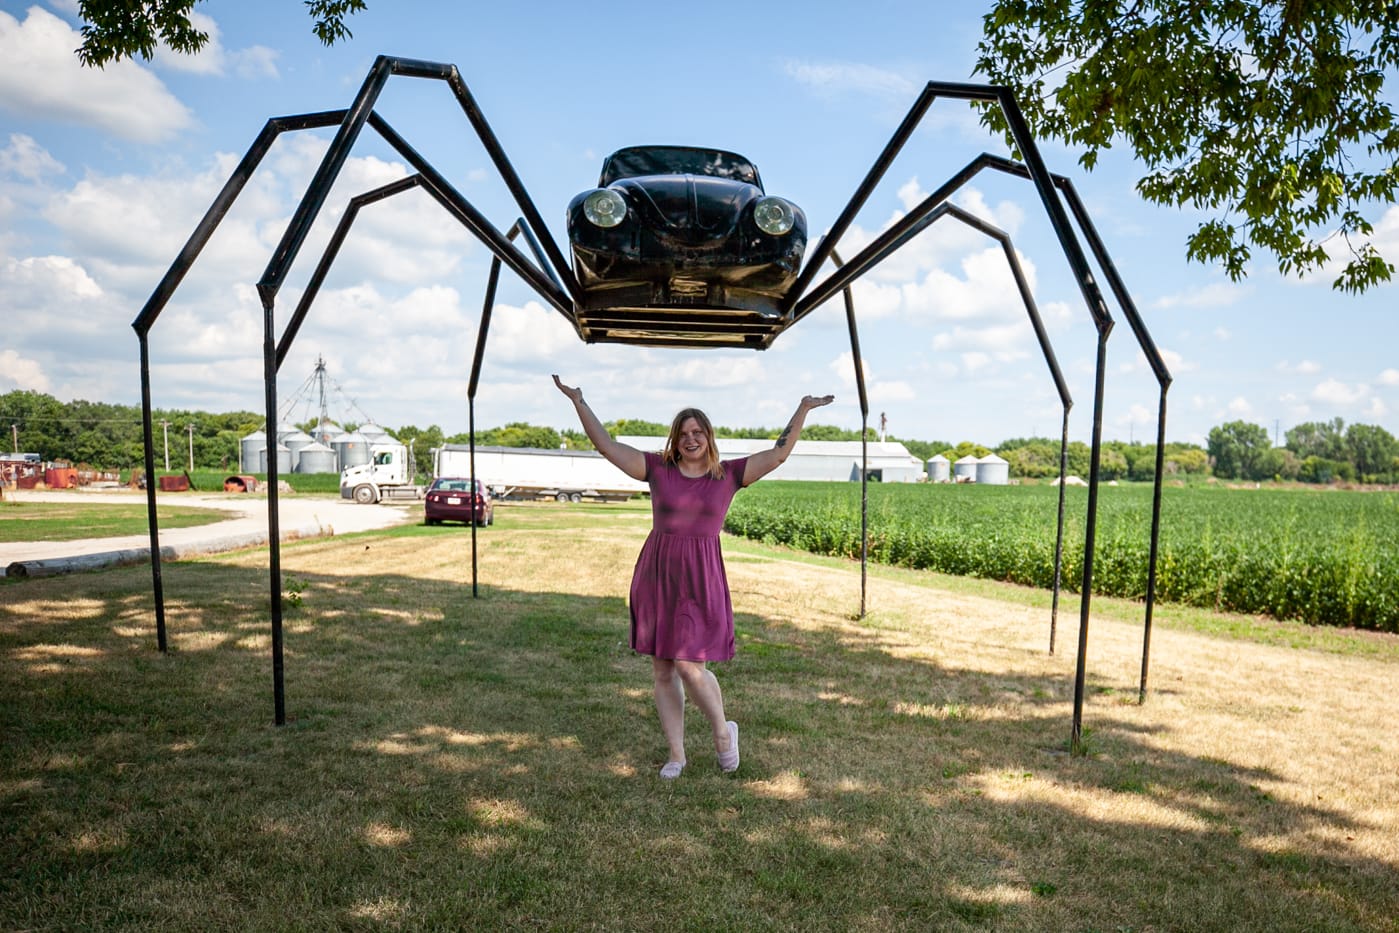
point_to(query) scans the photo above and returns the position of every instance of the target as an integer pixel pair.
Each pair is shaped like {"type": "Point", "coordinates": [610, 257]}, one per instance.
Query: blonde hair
{"type": "Point", "coordinates": [671, 453]}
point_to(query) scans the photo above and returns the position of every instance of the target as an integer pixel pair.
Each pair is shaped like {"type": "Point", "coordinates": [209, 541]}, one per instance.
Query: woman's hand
{"type": "Point", "coordinates": [815, 401]}
{"type": "Point", "coordinates": [575, 395]}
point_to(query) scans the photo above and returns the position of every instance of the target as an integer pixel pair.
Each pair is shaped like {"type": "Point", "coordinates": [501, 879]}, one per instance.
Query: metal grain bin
{"type": "Point", "coordinates": [294, 442]}
{"type": "Point", "coordinates": [283, 460]}
{"type": "Point", "coordinates": [939, 469]}
{"type": "Point", "coordinates": [326, 433]}
{"type": "Point", "coordinates": [351, 449]}
{"type": "Point", "coordinates": [316, 458]}
{"type": "Point", "coordinates": [964, 470]}
{"type": "Point", "coordinates": [248, 449]}
{"type": "Point", "coordinates": [376, 434]}
{"type": "Point", "coordinates": [991, 470]}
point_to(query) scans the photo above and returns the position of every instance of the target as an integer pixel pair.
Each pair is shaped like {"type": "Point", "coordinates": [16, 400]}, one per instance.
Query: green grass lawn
{"type": "Point", "coordinates": [460, 763]}
{"type": "Point", "coordinates": [70, 521]}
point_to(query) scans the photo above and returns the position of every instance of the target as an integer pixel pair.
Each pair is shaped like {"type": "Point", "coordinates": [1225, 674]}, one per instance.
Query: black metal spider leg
{"type": "Point", "coordinates": [858, 362]}
{"type": "Point", "coordinates": [920, 218]}
{"type": "Point", "coordinates": [478, 358]}
{"type": "Point", "coordinates": [1163, 379]}
{"type": "Point", "coordinates": [333, 161]}
{"type": "Point", "coordinates": [459, 208]}
{"type": "Point", "coordinates": [328, 255]}
{"type": "Point", "coordinates": [148, 433]}
{"type": "Point", "coordinates": [161, 296]}
{"type": "Point", "coordinates": [1154, 359]}
{"type": "Point", "coordinates": [273, 355]}
{"type": "Point", "coordinates": [1073, 253]}
{"type": "Point", "coordinates": [546, 283]}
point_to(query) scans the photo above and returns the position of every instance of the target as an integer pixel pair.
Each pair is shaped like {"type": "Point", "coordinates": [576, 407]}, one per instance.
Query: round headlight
{"type": "Point", "coordinates": [605, 208]}
{"type": "Point", "coordinates": [773, 216]}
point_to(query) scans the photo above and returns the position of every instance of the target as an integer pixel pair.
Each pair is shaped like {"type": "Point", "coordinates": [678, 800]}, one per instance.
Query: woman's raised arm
{"type": "Point", "coordinates": [623, 456]}
{"type": "Point", "coordinates": [765, 461]}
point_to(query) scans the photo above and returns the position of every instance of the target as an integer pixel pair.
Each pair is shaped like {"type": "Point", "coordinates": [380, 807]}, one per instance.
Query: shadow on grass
{"type": "Point", "coordinates": [455, 763]}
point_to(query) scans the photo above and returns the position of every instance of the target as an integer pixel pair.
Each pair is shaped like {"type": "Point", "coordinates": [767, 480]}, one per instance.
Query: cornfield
{"type": "Point", "coordinates": [1326, 557]}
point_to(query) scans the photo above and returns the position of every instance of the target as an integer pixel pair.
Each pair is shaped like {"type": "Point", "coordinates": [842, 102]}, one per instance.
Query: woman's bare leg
{"type": "Point", "coordinates": [670, 704]}
{"type": "Point", "coordinates": [703, 689]}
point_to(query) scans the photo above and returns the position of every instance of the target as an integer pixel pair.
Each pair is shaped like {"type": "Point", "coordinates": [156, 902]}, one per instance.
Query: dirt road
{"type": "Point", "coordinates": [299, 516]}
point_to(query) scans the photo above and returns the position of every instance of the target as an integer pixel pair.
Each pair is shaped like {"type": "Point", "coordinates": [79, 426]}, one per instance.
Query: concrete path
{"type": "Point", "coordinates": [299, 516]}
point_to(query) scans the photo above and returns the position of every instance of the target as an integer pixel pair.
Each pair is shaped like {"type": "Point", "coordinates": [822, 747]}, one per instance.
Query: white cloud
{"type": "Point", "coordinates": [124, 98]}
{"type": "Point", "coordinates": [1385, 239]}
{"type": "Point", "coordinates": [32, 283]}
{"type": "Point", "coordinates": [210, 60]}
{"type": "Point", "coordinates": [876, 390]}
{"type": "Point", "coordinates": [25, 158]}
{"type": "Point", "coordinates": [1002, 343]}
{"type": "Point", "coordinates": [1239, 407]}
{"type": "Point", "coordinates": [17, 372]}
{"type": "Point", "coordinates": [1175, 363]}
{"type": "Point", "coordinates": [975, 360]}
{"type": "Point", "coordinates": [718, 372]}
{"type": "Point", "coordinates": [257, 61]}
{"type": "Point", "coordinates": [895, 391]}
{"type": "Point", "coordinates": [131, 227]}
{"type": "Point", "coordinates": [1222, 334]}
{"type": "Point", "coordinates": [1300, 368]}
{"type": "Point", "coordinates": [1390, 377]}
{"type": "Point", "coordinates": [986, 290]}
{"type": "Point", "coordinates": [529, 333]}
{"type": "Point", "coordinates": [1338, 393]}
{"type": "Point", "coordinates": [1217, 295]}
{"type": "Point", "coordinates": [850, 76]}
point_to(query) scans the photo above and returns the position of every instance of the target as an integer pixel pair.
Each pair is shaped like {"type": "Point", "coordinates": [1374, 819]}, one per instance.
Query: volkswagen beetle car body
{"type": "Point", "coordinates": [450, 499]}
{"type": "Point", "coordinates": [687, 229]}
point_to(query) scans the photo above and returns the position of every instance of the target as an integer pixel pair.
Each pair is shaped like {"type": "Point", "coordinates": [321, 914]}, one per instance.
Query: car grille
{"type": "Point", "coordinates": [688, 290]}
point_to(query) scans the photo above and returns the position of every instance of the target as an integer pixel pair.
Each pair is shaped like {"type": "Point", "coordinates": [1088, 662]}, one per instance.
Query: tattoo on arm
{"type": "Point", "coordinates": [782, 438]}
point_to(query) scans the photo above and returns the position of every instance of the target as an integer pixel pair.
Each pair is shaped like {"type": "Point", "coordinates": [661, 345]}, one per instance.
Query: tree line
{"type": "Point", "coordinates": [1315, 452]}
{"type": "Point", "coordinates": [108, 437]}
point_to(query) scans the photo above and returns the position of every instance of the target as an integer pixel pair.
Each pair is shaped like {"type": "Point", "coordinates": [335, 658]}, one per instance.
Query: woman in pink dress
{"type": "Point", "coordinates": [680, 610]}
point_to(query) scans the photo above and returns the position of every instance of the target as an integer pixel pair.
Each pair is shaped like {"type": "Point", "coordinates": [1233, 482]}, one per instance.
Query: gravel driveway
{"type": "Point", "coordinates": [299, 516]}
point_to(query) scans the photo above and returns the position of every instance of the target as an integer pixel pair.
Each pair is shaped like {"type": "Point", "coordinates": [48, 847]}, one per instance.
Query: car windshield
{"type": "Point", "coordinates": [677, 160]}
{"type": "Point", "coordinates": [452, 485]}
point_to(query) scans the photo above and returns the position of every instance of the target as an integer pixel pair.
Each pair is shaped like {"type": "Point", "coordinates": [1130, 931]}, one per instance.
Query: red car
{"type": "Point", "coordinates": [449, 499]}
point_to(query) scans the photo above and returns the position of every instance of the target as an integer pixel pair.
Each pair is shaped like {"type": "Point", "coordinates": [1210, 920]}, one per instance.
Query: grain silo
{"type": "Point", "coordinates": [351, 450]}
{"type": "Point", "coordinates": [326, 433]}
{"type": "Point", "coordinates": [283, 460]}
{"type": "Point", "coordinates": [248, 449]}
{"type": "Point", "coordinates": [964, 470]}
{"type": "Point", "coordinates": [376, 434]}
{"type": "Point", "coordinates": [991, 470]}
{"type": "Point", "coordinates": [939, 469]}
{"type": "Point", "coordinates": [295, 442]}
{"type": "Point", "coordinates": [316, 458]}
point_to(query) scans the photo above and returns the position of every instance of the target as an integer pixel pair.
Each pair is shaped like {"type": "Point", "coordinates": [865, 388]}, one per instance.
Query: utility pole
{"type": "Point", "coordinates": [14, 433]}
{"type": "Point", "coordinates": [191, 447]}
{"type": "Point", "coordinates": [165, 427]}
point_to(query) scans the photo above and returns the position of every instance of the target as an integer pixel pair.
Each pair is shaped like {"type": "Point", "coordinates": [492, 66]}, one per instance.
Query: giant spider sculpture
{"type": "Point", "coordinates": [676, 309]}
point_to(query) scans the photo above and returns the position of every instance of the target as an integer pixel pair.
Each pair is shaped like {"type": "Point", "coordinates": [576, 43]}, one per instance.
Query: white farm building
{"type": "Point", "coordinates": [889, 462]}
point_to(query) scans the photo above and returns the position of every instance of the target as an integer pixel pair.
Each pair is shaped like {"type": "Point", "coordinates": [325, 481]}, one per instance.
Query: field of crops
{"type": "Point", "coordinates": [1326, 557]}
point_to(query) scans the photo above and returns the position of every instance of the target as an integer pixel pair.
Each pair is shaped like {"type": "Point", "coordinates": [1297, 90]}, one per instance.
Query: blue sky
{"type": "Point", "coordinates": [104, 174]}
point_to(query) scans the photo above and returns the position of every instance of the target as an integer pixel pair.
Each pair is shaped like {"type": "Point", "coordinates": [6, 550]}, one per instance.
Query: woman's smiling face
{"type": "Point", "coordinates": [693, 443]}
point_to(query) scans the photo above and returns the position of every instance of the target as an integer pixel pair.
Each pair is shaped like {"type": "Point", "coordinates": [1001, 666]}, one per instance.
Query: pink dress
{"type": "Point", "coordinates": [680, 607]}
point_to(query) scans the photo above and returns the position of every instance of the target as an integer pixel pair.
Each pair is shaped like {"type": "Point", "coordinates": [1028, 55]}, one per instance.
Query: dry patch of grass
{"type": "Point", "coordinates": [459, 763]}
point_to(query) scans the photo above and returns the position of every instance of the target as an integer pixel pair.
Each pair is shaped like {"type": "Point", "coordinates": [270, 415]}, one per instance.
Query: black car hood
{"type": "Point", "coordinates": [693, 209]}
